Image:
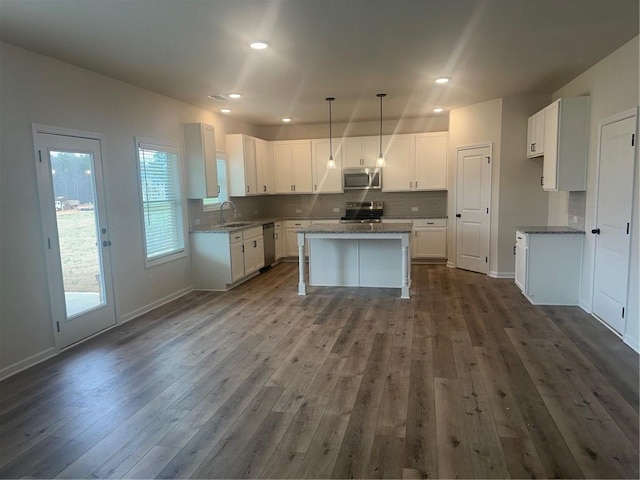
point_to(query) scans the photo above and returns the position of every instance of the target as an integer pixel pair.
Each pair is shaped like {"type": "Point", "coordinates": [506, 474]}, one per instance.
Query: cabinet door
{"type": "Point", "coordinates": [265, 175]}
{"type": "Point", "coordinates": [200, 153]}
{"type": "Point", "coordinates": [539, 135]}
{"type": "Point", "coordinates": [397, 175]}
{"type": "Point", "coordinates": [326, 180]}
{"type": "Point", "coordinates": [431, 162]}
{"type": "Point", "coordinates": [237, 262]}
{"type": "Point", "coordinates": [521, 267]}
{"type": "Point", "coordinates": [531, 134]}
{"type": "Point", "coordinates": [430, 243]}
{"type": "Point", "coordinates": [283, 163]}
{"type": "Point", "coordinates": [280, 243]}
{"type": "Point", "coordinates": [250, 165]}
{"type": "Point", "coordinates": [550, 163]}
{"type": "Point", "coordinates": [352, 157]}
{"type": "Point", "coordinates": [253, 254]}
{"type": "Point", "coordinates": [371, 149]}
{"type": "Point", "coordinates": [292, 242]}
{"type": "Point", "coordinates": [302, 171]}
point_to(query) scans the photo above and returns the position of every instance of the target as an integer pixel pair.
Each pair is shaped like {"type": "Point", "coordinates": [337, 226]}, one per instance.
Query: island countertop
{"type": "Point", "coordinates": [550, 230]}
{"type": "Point", "coordinates": [358, 228]}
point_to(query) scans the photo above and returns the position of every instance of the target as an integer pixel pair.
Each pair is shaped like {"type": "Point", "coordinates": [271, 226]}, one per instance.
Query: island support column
{"type": "Point", "coordinates": [405, 266]}
{"type": "Point", "coordinates": [302, 287]}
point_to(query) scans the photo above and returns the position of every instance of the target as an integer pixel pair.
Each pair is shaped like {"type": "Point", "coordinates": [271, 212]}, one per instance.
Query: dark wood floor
{"type": "Point", "coordinates": [466, 379]}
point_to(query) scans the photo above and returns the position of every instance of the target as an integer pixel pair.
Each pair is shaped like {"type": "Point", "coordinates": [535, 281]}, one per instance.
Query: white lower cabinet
{"type": "Point", "coordinates": [220, 259]}
{"type": "Point", "coordinates": [291, 228]}
{"type": "Point", "coordinates": [280, 240]}
{"type": "Point", "coordinates": [548, 267]}
{"type": "Point", "coordinates": [429, 238]}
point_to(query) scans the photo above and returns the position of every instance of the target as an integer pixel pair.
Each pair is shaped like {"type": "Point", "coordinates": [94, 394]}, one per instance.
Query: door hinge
{"type": "Point", "coordinates": [486, 259]}
{"type": "Point", "coordinates": [622, 312]}
{"type": "Point", "coordinates": [627, 228]}
{"type": "Point", "coordinates": [488, 159]}
{"type": "Point", "coordinates": [49, 242]}
{"type": "Point", "coordinates": [40, 155]}
{"type": "Point", "coordinates": [633, 139]}
{"type": "Point", "coordinates": [58, 326]}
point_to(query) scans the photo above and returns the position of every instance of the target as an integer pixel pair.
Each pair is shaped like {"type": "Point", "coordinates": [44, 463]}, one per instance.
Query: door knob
{"type": "Point", "coordinates": [106, 243]}
{"type": "Point", "coordinates": [459, 215]}
{"type": "Point", "coordinates": [596, 231]}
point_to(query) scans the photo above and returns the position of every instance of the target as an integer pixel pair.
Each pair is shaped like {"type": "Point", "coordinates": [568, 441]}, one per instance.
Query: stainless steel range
{"type": "Point", "coordinates": [362, 212]}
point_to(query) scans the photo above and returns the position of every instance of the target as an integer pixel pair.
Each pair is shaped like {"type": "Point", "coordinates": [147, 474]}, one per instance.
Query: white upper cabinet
{"type": "Point", "coordinates": [265, 173]}
{"type": "Point", "coordinates": [200, 157]}
{"type": "Point", "coordinates": [292, 160]}
{"type": "Point", "coordinates": [566, 132]}
{"type": "Point", "coordinates": [326, 180]}
{"type": "Point", "coordinates": [535, 135]}
{"type": "Point", "coordinates": [431, 161]}
{"type": "Point", "coordinates": [415, 162]}
{"type": "Point", "coordinates": [399, 155]}
{"type": "Point", "coordinates": [360, 151]}
{"type": "Point", "coordinates": [241, 158]}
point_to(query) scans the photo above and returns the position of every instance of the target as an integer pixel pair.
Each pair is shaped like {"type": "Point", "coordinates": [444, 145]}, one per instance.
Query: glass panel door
{"type": "Point", "coordinates": [78, 230]}
{"type": "Point", "coordinates": [74, 225]}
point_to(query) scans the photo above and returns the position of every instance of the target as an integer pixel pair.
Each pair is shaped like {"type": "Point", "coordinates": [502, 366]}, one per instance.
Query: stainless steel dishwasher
{"type": "Point", "coordinates": [268, 232]}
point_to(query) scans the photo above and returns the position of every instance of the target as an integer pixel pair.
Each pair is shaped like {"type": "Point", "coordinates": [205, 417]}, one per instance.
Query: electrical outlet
{"type": "Point", "coordinates": [575, 219]}
{"type": "Point", "coordinates": [336, 210]}
{"type": "Point", "coordinates": [414, 209]}
{"type": "Point", "coordinates": [197, 221]}
{"type": "Point", "coordinates": [298, 210]}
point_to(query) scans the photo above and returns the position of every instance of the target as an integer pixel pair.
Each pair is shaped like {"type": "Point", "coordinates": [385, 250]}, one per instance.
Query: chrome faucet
{"type": "Point", "coordinates": [222, 211]}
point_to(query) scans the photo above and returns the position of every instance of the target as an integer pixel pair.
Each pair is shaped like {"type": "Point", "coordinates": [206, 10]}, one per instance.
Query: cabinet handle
{"type": "Point", "coordinates": [247, 188]}
{"type": "Point", "coordinates": [429, 223]}
{"type": "Point", "coordinates": [416, 186]}
{"type": "Point", "coordinates": [514, 249]}
{"type": "Point", "coordinates": [255, 244]}
{"type": "Point", "coordinates": [294, 188]}
{"type": "Point", "coordinates": [542, 181]}
{"type": "Point", "coordinates": [458, 215]}
{"type": "Point", "coordinates": [264, 188]}
{"type": "Point", "coordinates": [218, 188]}
{"type": "Point", "coordinates": [596, 231]}
{"type": "Point", "coordinates": [533, 147]}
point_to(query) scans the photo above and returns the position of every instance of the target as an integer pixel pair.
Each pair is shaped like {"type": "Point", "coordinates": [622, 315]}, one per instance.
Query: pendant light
{"type": "Point", "coordinates": [380, 161]}
{"type": "Point", "coordinates": [331, 163]}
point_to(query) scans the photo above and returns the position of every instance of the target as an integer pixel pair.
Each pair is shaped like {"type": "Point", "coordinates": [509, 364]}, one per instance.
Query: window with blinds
{"type": "Point", "coordinates": [159, 166]}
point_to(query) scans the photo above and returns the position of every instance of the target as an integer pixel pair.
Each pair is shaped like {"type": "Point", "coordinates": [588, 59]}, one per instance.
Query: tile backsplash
{"type": "Point", "coordinates": [401, 204]}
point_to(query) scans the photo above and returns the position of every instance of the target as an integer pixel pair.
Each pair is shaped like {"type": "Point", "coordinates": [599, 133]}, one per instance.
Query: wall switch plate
{"type": "Point", "coordinates": [414, 209]}
{"type": "Point", "coordinates": [197, 221]}
{"type": "Point", "coordinates": [298, 210]}
{"type": "Point", "coordinates": [336, 210]}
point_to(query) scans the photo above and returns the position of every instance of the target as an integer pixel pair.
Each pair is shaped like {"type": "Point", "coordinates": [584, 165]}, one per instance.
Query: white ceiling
{"type": "Point", "coordinates": [349, 49]}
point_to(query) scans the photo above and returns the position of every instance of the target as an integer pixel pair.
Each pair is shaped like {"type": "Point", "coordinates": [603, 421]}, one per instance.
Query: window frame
{"type": "Point", "coordinates": [174, 148]}
{"type": "Point", "coordinates": [215, 206]}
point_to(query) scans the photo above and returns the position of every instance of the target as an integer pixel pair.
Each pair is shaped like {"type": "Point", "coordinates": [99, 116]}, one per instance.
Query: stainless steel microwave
{"type": "Point", "coordinates": [362, 178]}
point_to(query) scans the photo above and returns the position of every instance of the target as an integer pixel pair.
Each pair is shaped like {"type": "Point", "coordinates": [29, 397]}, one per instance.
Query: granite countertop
{"type": "Point", "coordinates": [357, 228]}
{"type": "Point", "coordinates": [549, 230]}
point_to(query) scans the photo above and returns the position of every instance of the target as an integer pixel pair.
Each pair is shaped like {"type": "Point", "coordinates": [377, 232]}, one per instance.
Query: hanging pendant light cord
{"type": "Point", "coordinates": [381, 96]}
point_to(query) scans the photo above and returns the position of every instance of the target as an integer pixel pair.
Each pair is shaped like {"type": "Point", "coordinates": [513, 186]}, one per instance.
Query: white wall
{"type": "Point", "coordinates": [38, 89]}
{"type": "Point", "coordinates": [613, 85]}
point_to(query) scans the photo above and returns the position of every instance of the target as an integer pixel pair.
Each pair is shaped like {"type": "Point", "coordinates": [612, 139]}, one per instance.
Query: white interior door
{"type": "Point", "coordinates": [473, 196]}
{"type": "Point", "coordinates": [70, 185]}
{"type": "Point", "coordinates": [613, 221]}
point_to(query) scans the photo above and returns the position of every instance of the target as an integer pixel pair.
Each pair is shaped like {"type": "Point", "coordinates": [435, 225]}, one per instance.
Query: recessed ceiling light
{"type": "Point", "coordinates": [286, 120]}
{"type": "Point", "coordinates": [235, 95]}
{"type": "Point", "coordinates": [225, 110]}
{"type": "Point", "coordinates": [438, 109]}
{"type": "Point", "coordinates": [258, 45]}
{"type": "Point", "coordinates": [443, 80]}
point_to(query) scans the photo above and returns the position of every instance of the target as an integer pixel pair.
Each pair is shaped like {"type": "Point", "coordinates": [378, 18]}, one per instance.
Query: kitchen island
{"type": "Point", "coordinates": [356, 255]}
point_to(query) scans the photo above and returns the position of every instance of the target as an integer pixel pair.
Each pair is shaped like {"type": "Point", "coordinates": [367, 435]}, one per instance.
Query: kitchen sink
{"type": "Point", "coordinates": [236, 224]}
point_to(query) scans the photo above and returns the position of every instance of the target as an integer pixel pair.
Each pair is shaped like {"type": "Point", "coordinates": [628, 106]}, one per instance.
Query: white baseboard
{"type": "Point", "coordinates": [584, 305]}
{"type": "Point", "coordinates": [632, 342]}
{"type": "Point", "coordinates": [450, 264]}
{"type": "Point", "coordinates": [495, 274]}
{"type": "Point", "coordinates": [502, 274]}
{"type": "Point", "coordinates": [27, 362]}
{"type": "Point", "coordinates": [158, 303]}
